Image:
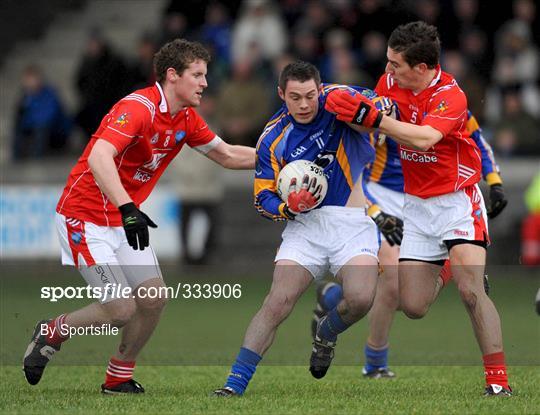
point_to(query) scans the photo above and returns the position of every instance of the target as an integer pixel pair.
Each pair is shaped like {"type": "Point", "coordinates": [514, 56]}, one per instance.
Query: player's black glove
{"type": "Point", "coordinates": [497, 200]}
{"type": "Point", "coordinates": [390, 226]}
{"type": "Point", "coordinates": [136, 225]}
{"type": "Point", "coordinates": [288, 213]}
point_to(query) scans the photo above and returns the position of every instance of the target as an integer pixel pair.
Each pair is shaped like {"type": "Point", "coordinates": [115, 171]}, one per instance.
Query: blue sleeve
{"type": "Point", "coordinates": [489, 165]}
{"type": "Point", "coordinates": [266, 200]}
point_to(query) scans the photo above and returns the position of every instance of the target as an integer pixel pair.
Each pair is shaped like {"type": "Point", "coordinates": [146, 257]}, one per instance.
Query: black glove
{"type": "Point", "coordinates": [288, 213]}
{"type": "Point", "coordinates": [497, 200]}
{"type": "Point", "coordinates": [390, 226]}
{"type": "Point", "coordinates": [136, 225]}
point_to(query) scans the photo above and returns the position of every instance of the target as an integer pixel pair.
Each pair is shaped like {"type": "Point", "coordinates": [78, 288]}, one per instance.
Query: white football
{"type": "Point", "coordinates": [298, 169]}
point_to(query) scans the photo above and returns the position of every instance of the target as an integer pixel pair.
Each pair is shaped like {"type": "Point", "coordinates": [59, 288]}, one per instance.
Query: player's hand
{"type": "Point", "coordinates": [387, 107]}
{"type": "Point", "coordinates": [390, 226]}
{"type": "Point", "coordinates": [497, 200]}
{"type": "Point", "coordinates": [136, 225]}
{"type": "Point", "coordinates": [355, 109]}
{"type": "Point", "coordinates": [304, 198]}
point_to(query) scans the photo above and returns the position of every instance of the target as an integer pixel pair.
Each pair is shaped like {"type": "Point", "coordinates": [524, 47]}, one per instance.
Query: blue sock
{"type": "Point", "coordinates": [332, 297]}
{"type": "Point", "coordinates": [375, 359]}
{"type": "Point", "coordinates": [242, 370]}
{"type": "Point", "coordinates": [332, 325]}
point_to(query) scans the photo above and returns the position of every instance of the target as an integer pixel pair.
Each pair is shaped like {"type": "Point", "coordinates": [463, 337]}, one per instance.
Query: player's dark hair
{"type": "Point", "coordinates": [418, 42]}
{"type": "Point", "coordinates": [178, 54]}
{"type": "Point", "coordinates": [299, 71]}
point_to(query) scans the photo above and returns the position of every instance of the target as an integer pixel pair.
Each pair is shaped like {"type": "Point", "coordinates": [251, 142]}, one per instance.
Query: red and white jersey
{"type": "Point", "coordinates": [147, 138]}
{"type": "Point", "coordinates": [455, 161]}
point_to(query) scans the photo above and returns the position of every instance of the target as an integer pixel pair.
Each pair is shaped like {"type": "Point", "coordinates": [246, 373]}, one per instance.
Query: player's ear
{"type": "Point", "coordinates": [172, 75]}
{"type": "Point", "coordinates": [421, 68]}
{"type": "Point", "coordinates": [281, 93]}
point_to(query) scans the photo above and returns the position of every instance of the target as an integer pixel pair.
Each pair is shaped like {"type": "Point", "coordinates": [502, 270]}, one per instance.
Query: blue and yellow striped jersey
{"type": "Point", "coordinates": [341, 151]}
{"type": "Point", "coordinates": [386, 168]}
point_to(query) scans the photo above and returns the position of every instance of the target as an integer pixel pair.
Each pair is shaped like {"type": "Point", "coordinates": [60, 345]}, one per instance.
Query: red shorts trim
{"type": "Point", "coordinates": [477, 214]}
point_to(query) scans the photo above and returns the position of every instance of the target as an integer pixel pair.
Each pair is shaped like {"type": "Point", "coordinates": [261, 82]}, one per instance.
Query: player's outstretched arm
{"type": "Point", "coordinates": [359, 111]}
{"type": "Point", "coordinates": [234, 157]}
{"type": "Point", "coordinates": [103, 167]}
{"type": "Point", "coordinates": [419, 137]}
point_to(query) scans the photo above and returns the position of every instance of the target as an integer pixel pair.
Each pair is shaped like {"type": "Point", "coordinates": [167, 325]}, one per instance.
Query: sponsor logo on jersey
{"type": "Point", "coordinates": [155, 162]}
{"type": "Point", "coordinates": [325, 159]}
{"type": "Point", "coordinates": [298, 151]}
{"type": "Point", "coordinates": [461, 233]}
{"type": "Point", "coordinates": [179, 136]}
{"type": "Point", "coordinates": [122, 120]}
{"type": "Point", "coordinates": [442, 107]}
{"type": "Point", "coordinates": [415, 157]}
{"type": "Point", "coordinates": [142, 176]}
{"type": "Point", "coordinates": [154, 138]}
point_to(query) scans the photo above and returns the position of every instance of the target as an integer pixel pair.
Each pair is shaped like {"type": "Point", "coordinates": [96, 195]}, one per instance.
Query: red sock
{"type": "Point", "coordinates": [446, 272]}
{"type": "Point", "coordinates": [118, 372]}
{"type": "Point", "coordinates": [495, 369]}
{"type": "Point", "coordinates": [56, 329]}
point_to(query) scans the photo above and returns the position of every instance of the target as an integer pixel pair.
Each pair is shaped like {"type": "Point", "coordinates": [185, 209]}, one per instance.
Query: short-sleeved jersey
{"type": "Point", "coordinates": [386, 168]}
{"type": "Point", "coordinates": [147, 138]}
{"type": "Point", "coordinates": [455, 161]}
{"type": "Point", "coordinates": [342, 152]}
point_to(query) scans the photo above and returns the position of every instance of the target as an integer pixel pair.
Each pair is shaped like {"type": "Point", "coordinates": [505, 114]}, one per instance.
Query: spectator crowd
{"type": "Point", "coordinates": [492, 50]}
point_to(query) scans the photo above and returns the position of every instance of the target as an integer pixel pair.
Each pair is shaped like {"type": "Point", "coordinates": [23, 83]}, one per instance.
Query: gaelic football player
{"type": "Point", "coordinates": [103, 232]}
{"type": "Point", "coordinates": [444, 212]}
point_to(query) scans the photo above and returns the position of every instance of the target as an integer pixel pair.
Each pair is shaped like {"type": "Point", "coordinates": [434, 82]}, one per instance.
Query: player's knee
{"type": "Point", "coordinates": [414, 310]}
{"type": "Point", "coordinates": [277, 307]}
{"type": "Point", "coordinates": [121, 311]}
{"type": "Point", "coordinates": [152, 303]}
{"type": "Point", "coordinates": [359, 304]}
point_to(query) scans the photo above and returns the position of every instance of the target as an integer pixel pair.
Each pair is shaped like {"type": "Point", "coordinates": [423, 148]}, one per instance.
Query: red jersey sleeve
{"type": "Point", "coordinates": [199, 134]}
{"type": "Point", "coordinates": [125, 121]}
{"type": "Point", "coordinates": [446, 110]}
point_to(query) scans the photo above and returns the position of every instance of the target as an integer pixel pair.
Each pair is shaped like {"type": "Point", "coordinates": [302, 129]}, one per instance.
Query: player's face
{"type": "Point", "coordinates": [190, 85]}
{"type": "Point", "coordinates": [405, 76]}
{"type": "Point", "coordinates": [302, 100]}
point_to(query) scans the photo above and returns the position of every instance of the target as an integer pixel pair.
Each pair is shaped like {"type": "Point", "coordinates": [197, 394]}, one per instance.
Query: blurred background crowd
{"type": "Point", "coordinates": [491, 50]}
{"type": "Point", "coordinates": [49, 111]}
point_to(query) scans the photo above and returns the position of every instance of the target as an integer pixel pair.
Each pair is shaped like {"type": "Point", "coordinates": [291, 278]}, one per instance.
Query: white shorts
{"type": "Point", "coordinates": [428, 223]}
{"type": "Point", "coordinates": [327, 238]}
{"type": "Point", "coordinates": [103, 255]}
{"type": "Point", "coordinates": [389, 200]}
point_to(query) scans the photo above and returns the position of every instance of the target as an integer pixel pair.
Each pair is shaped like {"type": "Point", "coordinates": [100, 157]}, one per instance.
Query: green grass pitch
{"type": "Point", "coordinates": [436, 359]}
